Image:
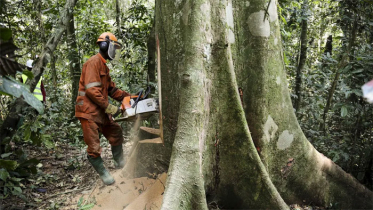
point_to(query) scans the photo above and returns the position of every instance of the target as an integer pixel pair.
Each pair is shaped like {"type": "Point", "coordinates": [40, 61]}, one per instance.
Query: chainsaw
{"type": "Point", "coordinates": [138, 106]}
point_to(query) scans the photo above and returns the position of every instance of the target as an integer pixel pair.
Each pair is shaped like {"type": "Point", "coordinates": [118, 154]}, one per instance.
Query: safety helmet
{"type": "Point", "coordinates": [108, 43]}
{"type": "Point", "coordinates": [107, 35]}
{"type": "Point", "coordinates": [29, 63]}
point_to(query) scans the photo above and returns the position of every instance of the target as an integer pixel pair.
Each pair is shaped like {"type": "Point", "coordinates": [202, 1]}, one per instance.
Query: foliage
{"type": "Point", "coordinates": [13, 172]}
{"type": "Point", "coordinates": [137, 23]}
{"type": "Point", "coordinates": [9, 86]}
{"type": "Point", "coordinates": [31, 23]}
{"type": "Point", "coordinates": [348, 131]}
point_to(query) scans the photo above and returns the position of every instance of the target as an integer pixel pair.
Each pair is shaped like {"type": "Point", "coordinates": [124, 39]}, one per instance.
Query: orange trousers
{"type": "Point", "coordinates": [110, 129]}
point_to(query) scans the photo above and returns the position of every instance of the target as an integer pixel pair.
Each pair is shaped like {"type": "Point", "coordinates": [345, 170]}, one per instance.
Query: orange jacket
{"type": "Point", "coordinates": [95, 86]}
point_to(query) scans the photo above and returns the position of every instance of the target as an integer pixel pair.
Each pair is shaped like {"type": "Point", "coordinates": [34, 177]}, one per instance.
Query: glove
{"type": "Point", "coordinates": [129, 112]}
{"type": "Point", "coordinates": [113, 110]}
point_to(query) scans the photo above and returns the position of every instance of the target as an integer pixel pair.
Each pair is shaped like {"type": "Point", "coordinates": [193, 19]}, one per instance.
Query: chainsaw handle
{"type": "Point", "coordinates": [137, 99]}
{"type": "Point", "coordinates": [147, 92]}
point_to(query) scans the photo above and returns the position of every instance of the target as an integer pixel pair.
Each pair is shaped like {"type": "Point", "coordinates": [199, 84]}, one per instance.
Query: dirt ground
{"type": "Point", "coordinates": [67, 181]}
{"type": "Point", "coordinates": [133, 194]}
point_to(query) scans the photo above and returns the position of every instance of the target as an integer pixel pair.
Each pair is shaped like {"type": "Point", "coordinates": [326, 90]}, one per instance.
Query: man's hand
{"type": "Point", "coordinates": [113, 110]}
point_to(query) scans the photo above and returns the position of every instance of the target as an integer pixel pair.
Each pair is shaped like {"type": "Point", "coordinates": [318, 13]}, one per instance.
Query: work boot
{"type": "Point", "coordinates": [118, 156]}
{"type": "Point", "coordinates": [98, 165]}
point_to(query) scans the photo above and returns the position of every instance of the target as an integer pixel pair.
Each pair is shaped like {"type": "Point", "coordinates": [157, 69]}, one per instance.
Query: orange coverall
{"type": "Point", "coordinates": [95, 86]}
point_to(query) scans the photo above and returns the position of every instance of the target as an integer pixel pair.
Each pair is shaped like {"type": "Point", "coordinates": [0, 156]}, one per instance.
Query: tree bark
{"type": "Point", "coordinates": [7, 129]}
{"type": "Point", "coordinates": [299, 172]}
{"type": "Point", "coordinates": [73, 56]}
{"type": "Point", "coordinates": [302, 56]}
{"type": "Point", "coordinates": [212, 152]}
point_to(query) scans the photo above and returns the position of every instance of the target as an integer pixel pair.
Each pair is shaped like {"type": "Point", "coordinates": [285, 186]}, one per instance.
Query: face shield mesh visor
{"type": "Point", "coordinates": [114, 49]}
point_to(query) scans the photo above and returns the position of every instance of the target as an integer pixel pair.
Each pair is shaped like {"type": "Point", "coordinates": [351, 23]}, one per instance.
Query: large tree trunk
{"type": "Point", "coordinates": [74, 59]}
{"type": "Point", "coordinates": [212, 152]}
{"type": "Point", "coordinates": [300, 173]}
{"type": "Point", "coordinates": [9, 125]}
{"type": "Point", "coordinates": [302, 56]}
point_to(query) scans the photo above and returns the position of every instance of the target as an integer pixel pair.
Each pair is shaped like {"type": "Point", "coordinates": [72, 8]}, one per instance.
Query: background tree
{"type": "Point", "coordinates": [302, 55]}
{"type": "Point", "coordinates": [73, 57]}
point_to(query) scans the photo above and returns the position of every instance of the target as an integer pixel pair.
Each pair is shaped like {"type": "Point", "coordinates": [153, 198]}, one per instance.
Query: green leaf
{"type": "Point", "coordinates": [16, 191]}
{"type": "Point", "coordinates": [357, 71]}
{"type": "Point", "coordinates": [27, 133]}
{"type": "Point", "coordinates": [9, 165]}
{"type": "Point", "coordinates": [30, 162]}
{"type": "Point", "coordinates": [4, 174]}
{"type": "Point", "coordinates": [87, 207]}
{"type": "Point", "coordinates": [5, 155]}
{"type": "Point", "coordinates": [48, 144]}
{"type": "Point", "coordinates": [5, 34]}
{"type": "Point", "coordinates": [29, 74]}
{"type": "Point", "coordinates": [17, 89]}
{"type": "Point", "coordinates": [14, 179]}
{"type": "Point", "coordinates": [344, 111]}
{"type": "Point", "coordinates": [80, 201]}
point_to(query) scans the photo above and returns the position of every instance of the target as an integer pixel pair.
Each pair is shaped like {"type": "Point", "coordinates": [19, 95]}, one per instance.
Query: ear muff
{"type": "Point", "coordinates": [105, 45]}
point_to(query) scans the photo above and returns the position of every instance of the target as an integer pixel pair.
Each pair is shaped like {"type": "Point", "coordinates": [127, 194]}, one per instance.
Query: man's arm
{"type": "Point", "coordinates": [92, 84]}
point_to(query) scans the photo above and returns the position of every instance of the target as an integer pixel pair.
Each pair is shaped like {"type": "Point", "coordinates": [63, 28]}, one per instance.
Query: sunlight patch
{"type": "Point", "coordinates": [230, 22]}
{"type": "Point", "coordinates": [278, 80]}
{"type": "Point", "coordinates": [272, 10]}
{"type": "Point", "coordinates": [269, 129]}
{"type": "Point", "coordinates": [285, 140]}
{"type": "Point", "coordinates": [258, 25]}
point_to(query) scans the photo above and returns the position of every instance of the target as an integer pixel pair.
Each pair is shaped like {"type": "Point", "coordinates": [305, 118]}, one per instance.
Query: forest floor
{"type": "Point", "coordinates": [66, 180]}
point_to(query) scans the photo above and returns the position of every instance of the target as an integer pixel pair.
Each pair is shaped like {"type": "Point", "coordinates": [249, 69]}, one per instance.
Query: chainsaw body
{"type": "Point", "coordinates": [138, 106]}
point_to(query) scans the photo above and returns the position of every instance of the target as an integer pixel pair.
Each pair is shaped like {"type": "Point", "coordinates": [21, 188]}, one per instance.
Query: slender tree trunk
{"type": "Point", "coordinates": [151, 54]}
{"type": "Point", "coordinates": [302, 56]}
{"type": "Point", "coordinates": [9, 125]}
{"type": "Point", "coordinates": [54, 79]}
{"type": "Point", "coordinates": [299, 172]}
{"type": "Point", "coordinates": [74, 59]}
{"type": "Point", "coordinates": [117, 17]}
{"type": "Point", "coordinates": [54, 72]}
{"type": "Point", "coordinates": [343, 63]}
{"type": "Point", "coordinates": [40, 23]}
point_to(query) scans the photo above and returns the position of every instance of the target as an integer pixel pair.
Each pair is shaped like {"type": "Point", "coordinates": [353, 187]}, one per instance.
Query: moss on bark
{"type": "Point", "coordinates": [300, 173]}
{"type": "Point", "coordinates": [212, 152]}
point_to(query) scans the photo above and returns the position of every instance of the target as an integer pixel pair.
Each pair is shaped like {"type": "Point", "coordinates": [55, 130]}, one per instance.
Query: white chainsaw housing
{"type": "Point", "coordinates": [144, 106]}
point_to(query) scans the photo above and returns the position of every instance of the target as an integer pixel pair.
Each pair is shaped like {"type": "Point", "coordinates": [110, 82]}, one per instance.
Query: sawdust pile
{"type": "Point", "coordinates": [126, 193]}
